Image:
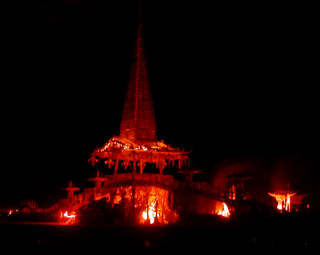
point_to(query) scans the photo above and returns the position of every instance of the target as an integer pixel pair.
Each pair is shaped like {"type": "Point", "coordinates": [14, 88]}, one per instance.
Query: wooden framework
{"type": "Point", "coordinates": [137, 143]}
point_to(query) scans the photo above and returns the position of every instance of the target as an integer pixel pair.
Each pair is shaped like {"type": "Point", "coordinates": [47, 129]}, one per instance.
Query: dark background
{"type": "Point", "coordinates": [236, 83]}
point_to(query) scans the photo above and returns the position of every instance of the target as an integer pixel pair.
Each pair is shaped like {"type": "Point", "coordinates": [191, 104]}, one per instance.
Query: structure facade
{"type": "Point", "coordinates": [133, 195]}
{"type": "Point", "coordinates": [144, 197]}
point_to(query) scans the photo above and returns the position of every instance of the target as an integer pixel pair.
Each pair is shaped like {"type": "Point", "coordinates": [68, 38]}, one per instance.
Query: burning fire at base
{"type": "Point", "coordinates": [154, 213]}
{"type": "Point", "coordinates": [283, 201]}
{"type": "Point", "coordinates": [65, 218]}
{"type": "Point", "coordinates": [225, 212]}
{"type": "Point", "coordinates": [288, 199]}
{"type": "Point", "coordinates": [151, 214]}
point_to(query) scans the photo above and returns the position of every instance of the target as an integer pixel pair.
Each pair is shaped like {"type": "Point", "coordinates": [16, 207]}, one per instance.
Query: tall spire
{"type": "Point", "coordinates": [137, 143]}
{"type": "Point", "coordinates": [138, 120]}
{"type": "Point", "coordinates": [139, 11]}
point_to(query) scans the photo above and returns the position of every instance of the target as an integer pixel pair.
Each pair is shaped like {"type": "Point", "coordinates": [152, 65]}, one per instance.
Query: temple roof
{"type": "Point", "coordinates": [124, 149]}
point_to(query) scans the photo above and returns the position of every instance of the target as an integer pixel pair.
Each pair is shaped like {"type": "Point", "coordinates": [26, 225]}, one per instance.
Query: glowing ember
{"type": "Point", "coordinates": [68, 219]}
{"type": "Point", "coordinates": [156, 209]}
{"type": "Point", "coordinates": [225, 212]}
{"type": "Point", "coordinates": [117, 199]}
{"type": "Point", "coordinates": [283, 200]}
{"type": "Point", "coordinates": [69, 216]}
{"type": "Point", "coordinates": [152, 214]}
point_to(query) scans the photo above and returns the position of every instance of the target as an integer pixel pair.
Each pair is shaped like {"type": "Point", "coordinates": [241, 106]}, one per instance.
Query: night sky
{"type": "Point", "coordinates": [236, 83]}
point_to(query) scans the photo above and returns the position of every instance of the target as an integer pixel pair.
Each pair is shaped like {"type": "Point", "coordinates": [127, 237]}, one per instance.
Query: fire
{"type": "Point", "coordinates": [66, 218]}
{"type": "Point", "coordinates": [69, 216]}
{"type": "Point", "coordinates": [225, 212]}
{"type": "Point", "coordinates": [283, 200]}
{"type": "Point", "coordinates": [151, 212]}
{"type": "Point", "coordinates": [154, 206]}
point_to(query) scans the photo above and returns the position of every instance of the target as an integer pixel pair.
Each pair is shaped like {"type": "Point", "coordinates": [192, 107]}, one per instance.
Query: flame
{"type": "Point", "coordinates": [117, 199]}
{"type": "Point", "coordinates": [283, 200]}
{"type": "Point", "coordinates": [151, 212]}
{"type": "Point", "coordinates": [68, 219]}
{"type": "Point", "coordinates": [69, 216]}
{"type": "Point", "coordinates": [225, 212]}
{"type": "Point", "coordinates": [155, 207]}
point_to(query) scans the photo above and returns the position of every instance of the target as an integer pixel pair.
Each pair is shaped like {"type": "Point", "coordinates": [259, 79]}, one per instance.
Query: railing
{"type": "Point", "coordinates": [165, 181]}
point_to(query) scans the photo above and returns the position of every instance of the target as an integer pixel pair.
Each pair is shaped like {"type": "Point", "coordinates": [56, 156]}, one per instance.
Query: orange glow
{"type": "Point", "coordinates": [283, 200]}
{"type": "Point", "coordinates": [152, 214]}
{"type": "Point", "coordinates": [156, 208]}
{"type": "Point", "coordinates": [232, 193]}
{"type": "Point", "coordinates": [117, 199]}
{"type": "Point", "coordinates": [150, 202]}
{"type": "Point", "coordinates": [225, 212]}
{"type": "Point", "coordinates": [68, 219]}
{"type": "Point", "coordinates": [69, 216]}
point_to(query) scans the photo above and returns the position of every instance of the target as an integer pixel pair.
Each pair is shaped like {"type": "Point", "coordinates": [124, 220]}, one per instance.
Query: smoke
{"type": "Point", "coordinates": [257, 168]}
{"type": "Point", "coordinates": [269, 173]}
{"type": "Point", "coordinates": [296, 170]}
{"type": "Point", "coordinates": [281, 173]}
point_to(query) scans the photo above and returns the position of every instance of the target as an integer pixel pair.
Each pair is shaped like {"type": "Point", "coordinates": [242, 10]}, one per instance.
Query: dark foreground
{"type": "Point", "coordinates": [283, 234]}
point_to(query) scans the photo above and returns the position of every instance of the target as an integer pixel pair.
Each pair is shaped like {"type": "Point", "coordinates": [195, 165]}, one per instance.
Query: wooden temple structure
{"type": "Point", "coordinates": [144, 197]}
{"type": "Point", "coordinates": [137, 142]}
{"type": "Point", "coordinates": [133, 195]}
{"type": "Point", "coordinates": [135, 147]}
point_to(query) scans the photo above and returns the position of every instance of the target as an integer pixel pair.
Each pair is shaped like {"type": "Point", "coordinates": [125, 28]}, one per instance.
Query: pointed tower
{"type": "Point", "coordinates": [138, 120]}
{"type": "Point", "coordinates": [137, 143]}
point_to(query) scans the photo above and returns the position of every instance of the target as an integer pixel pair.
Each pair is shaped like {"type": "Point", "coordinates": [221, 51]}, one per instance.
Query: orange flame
{"type": "Point", "coordinates": [225, 212]}
{"type": "Point", "coordinates": [151, 212]}
{"type": "Point", "coordinates": [68, 219]}
{"type": "Point", "coordinates": [69, 216]}
{"type": "Point", "coordinates": [283, 200]}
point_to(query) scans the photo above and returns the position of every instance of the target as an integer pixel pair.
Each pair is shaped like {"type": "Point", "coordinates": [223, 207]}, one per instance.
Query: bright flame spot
{"type": "Point", "coordinates": [279, 206]}
{"type": "Point", "coordinates": [225, 212]}
{"type": "Point", "coordinates": [69, 216]}
{"type": "Point", "coordinates": [151, 212]}
{"type": "Point", "coordinates": [68, 219]}
{"type": "Point", "coordinates": [144, 215]}
{"type": "Point", "coordinates": [283, 201]}
{"type": "Point", "coordinates": [117, 199]}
